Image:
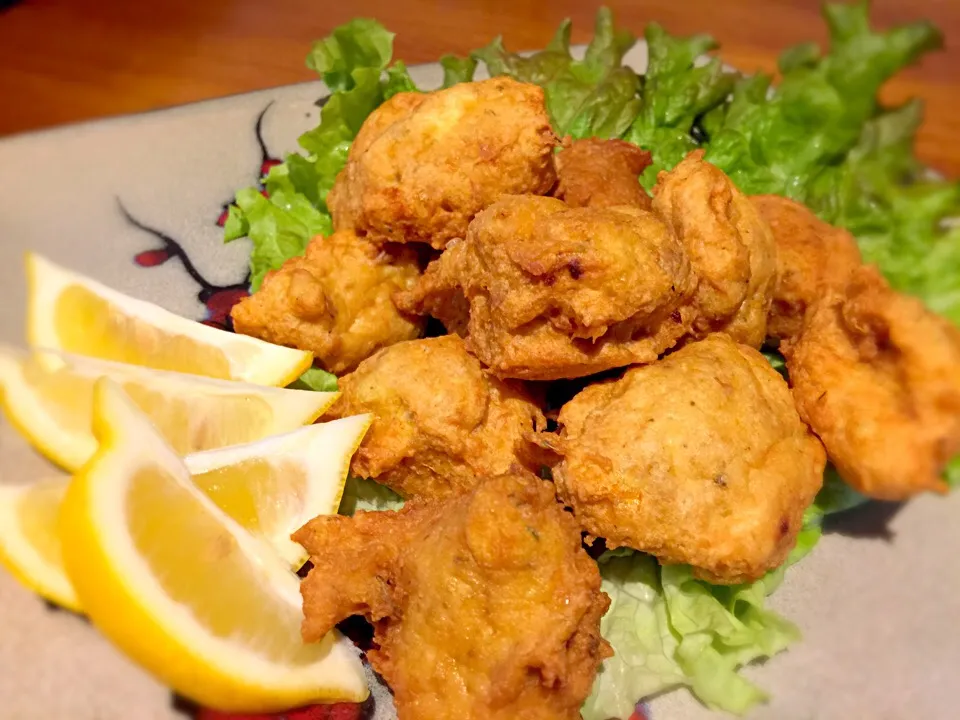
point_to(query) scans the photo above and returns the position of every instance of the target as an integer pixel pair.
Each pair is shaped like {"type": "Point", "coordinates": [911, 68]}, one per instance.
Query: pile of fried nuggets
{"type": "Point", "coordinates": [547, 261]}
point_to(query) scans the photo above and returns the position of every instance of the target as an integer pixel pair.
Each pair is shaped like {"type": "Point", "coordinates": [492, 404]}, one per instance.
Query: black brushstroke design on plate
{"type": "Point", "coordinates": [267, 162]}
{"type": "Point", "coordinates": [218, 299]}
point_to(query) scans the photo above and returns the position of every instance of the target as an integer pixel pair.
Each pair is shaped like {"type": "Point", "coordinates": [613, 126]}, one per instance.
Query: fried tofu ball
{"type": "Point", "coordinates": [601, 173]}
{"type": "Point", "coordinates": [558, 292]}
{"type": "Point", "coordinates": [813, 259]}
{"type": "Point", "coordinates": [877, 377]}
{"type": "Point", "coordinates": [731, 248]}
{"type": "Point", "coordinates": [424, 164]}
{"type": "Point", "coordinates": [484, 606]}
{"type": "Point", "coordinates": [334, 301]}
{"type": "Point", "coordinates": [440, 421]}
{"type": "Point", "coordinates": [700, 458]}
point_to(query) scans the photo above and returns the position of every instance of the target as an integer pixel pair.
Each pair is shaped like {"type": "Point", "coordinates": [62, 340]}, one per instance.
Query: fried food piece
{"type": "Point", "coordinates": [485, 606]}
{"type": "Point", "coordinates": [559, 292]}
{"type": "Point", "coordinates": [700, 458]}
{"type": "Point", "coordinates": [424, 164]}
{"type": "Point", "coordinates": [440, 421]}
{"type": "Point", "coordinates": [601, 173]}
{"type": "Point", "coordinates": [813, 259]}
{"type": "Point", "coordinates": [877, 377]}
{"type": "Point", "coordinates": [731, 248]}
{"type": "Point", "coordinates": [334, 301]}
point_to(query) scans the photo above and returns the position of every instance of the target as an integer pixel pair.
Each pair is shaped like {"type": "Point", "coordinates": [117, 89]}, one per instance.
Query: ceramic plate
{"type": "Point", "coordinates": [135, 202]}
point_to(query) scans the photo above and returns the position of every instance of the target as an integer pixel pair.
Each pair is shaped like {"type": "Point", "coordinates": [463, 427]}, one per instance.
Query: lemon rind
{"type": "Point", "coordinates": [263, 363]}
{"type": "Point", "coordinates": [31, 420]}
{"type": "Point", "coordinates": [20, 558]}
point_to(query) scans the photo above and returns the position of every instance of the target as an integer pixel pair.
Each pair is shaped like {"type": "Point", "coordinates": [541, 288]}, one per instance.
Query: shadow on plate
{"type": "Point", "coordinates": [867, 521]}
{"type": "Point", "coordinates": [53, 607]}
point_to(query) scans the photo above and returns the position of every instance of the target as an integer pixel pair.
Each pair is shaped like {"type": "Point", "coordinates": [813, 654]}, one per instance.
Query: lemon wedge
{"type": "Point", "coordinates": [29, 542]}
{"type": "Point", "coordinates": [72, 313]}
{"type": "Point", "coordinates": [274, 486]}
{"type": "Point", "coordinates": [180, 587]}
{"type": "Point", "coordinates": [271, 488]}
{"type": "Point", "coordinates": [49, 396]}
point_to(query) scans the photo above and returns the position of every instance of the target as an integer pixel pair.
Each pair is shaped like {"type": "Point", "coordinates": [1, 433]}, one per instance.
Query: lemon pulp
{"type": "Point", "coordinates": [211, 567]}
{"type": "Point", "coordinates": [190, 424]}
{"type": "Point", "coordinates": [87, 324]}
{"type": "Point", "coordinates": [256, 493]}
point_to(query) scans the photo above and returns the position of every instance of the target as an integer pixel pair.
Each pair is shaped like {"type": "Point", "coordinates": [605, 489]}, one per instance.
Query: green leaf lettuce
{"type": "Point", "coordinates": [316, 379]}
{"type": "Point", "coordinates": [669, 629]}
{"type": "Point", "coordinates": [354, 62]}
{"type": "Point", "coordinates": [367, 495]}
{"type": "Point", "coordinates": [676, 90]}
{"type": "Point", "coordinates": [592, 97]}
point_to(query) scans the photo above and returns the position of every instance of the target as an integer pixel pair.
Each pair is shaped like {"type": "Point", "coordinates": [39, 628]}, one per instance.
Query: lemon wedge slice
{"type": "Point", "coordinates": [183, 589]}
{"type": "Point", "coordinates": [274, 486]}
{"type": "Point", "coordinates": [49, 396]}
{"type": "Point", "coordinates": [72, 313]}
{"type": "Point", "coordinates": [29, 542]}
{"type": "Point", "coordinates": [271, 488]}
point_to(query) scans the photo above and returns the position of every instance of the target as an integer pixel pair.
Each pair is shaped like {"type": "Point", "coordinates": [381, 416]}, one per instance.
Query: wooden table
{"type": "Point", "coordinates": [68, 60]}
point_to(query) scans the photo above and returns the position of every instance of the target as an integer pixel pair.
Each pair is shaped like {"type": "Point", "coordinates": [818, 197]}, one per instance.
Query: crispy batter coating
{"type": "Point", "coordinates": [731, 248]}
{"type": "Point", "coordinates": [424, 164]}
{"type": "Point", "coordinates": [813, 259]}
{"type": "Point", "coordinates": [484, 606]}
{"type": "Point", "coordinates": [559, 292]}
{"type": "Point", "coordinates": [700, 458]}
{"type": "Point", "coordinates": [334, 301]}
{"type": "Point", "coordinates": [877, 377]}
{"type": "Point", "coordinates": [601, 173]}
{"type": "Point", "coordinates": [440, 421]}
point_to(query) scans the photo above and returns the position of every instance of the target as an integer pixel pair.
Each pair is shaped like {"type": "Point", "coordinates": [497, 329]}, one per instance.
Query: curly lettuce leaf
{"type": "Point", "coordinates": [398, 80]}
{"type": "Point", "coordinates": [316, 379]}
{"type": "Point", "coordinates": [354, 62]}
{"type": "Point", "coordinates": [952, 473]}
{"type": "Point", "coordinates": [637, 626]}
{"type": "Point", "coordinates": [367, 495]}
{"type": "Point", "coordinates": [457, 69]}
{"type": "Point", "coordinates": [775, 142]}
{"type": "Point", "coordinates": [669, 629]}
{"type": "Point", "coordinates": [896, 210]}
{"type": "Point", "coordinates": [675, 91]}
{"type": "Point", "coordinates": [592, 97]}
{"type": "Point", "coordinates": [359, 43]}
{"type": "Point", "coordinates": [776, 360]}
{"type": "Point", "coordinates": [836, 496]}
{"type": "Point", "coordinates": [279, 226]}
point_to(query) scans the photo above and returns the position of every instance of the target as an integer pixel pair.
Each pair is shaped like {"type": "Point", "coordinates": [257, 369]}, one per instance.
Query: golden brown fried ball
{"type": "Point", "coordinates": [440, 421]}
{"type": "Point", "coordinates": [877, 377]}
{"type": "Point", "coordinates": [334, 301]}
{"type": "Point", "coordinates": [731, 248]}
{"type": "Point", "coordinates": [601, 173]}
{"type": "Point", "coordinates": [814, 258]}
{"type": "Point", "coordinates": [484, 607]}
{"type": "Point", "coordinates": [558, 292]}
{"type": "Point", "coordinates": [700, 458]}
{"type": "Point", "coordinates": [424, 164]}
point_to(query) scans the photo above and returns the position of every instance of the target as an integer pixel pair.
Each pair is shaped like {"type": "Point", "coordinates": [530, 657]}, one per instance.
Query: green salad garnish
{"type": "Point", "coordinates": [819, 135]}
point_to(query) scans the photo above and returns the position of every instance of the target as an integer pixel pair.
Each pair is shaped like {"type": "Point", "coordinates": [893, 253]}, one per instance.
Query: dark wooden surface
{"type": "Point", "coordinates": [69, 60]}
